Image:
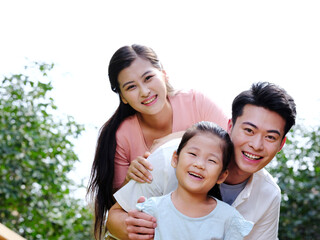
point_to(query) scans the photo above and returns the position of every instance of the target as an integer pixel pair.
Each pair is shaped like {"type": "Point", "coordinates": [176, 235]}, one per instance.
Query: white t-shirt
{"type": "Point", "coordinates": [222, 223]}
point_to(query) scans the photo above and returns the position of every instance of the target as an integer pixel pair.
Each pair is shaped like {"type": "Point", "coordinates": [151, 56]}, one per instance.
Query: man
{"type": "Point", "coordinates": [261, 118]}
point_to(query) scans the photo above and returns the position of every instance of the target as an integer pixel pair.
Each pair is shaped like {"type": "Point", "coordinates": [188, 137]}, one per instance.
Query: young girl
{"type": "Point", "coordinates": [189, 212]}
{"type": "Point", "coordinates": [148, 109]}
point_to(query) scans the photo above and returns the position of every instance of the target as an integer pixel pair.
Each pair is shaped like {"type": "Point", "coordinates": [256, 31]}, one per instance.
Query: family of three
{"type": "Point", "coordinates": [184, 179]}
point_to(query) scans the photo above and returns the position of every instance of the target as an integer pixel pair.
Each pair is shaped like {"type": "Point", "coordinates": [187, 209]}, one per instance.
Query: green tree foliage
{"type": "Point", "coordinates": [36, 154]}
{"type": "Point", "coordinates": [297, 170]}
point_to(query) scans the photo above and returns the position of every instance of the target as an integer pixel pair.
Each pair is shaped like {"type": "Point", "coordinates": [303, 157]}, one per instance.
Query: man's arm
{"type": "Point", "coordinates": [132, 225]}
{"type": "Point", "coordinates": [267, 227]}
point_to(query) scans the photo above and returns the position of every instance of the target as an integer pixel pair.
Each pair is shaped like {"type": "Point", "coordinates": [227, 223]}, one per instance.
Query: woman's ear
{"type": "Point", "coordinates": [123, 99]}
{"type": "Point", "coordinates": [174, 159]}
{"type": "Point", "coordinates": [223, 177]}
{"type": "Point", "coordinates": [166, 77]}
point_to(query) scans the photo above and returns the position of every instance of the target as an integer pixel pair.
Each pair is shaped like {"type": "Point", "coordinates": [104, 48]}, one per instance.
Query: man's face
{"type": "Point", "coordinates": [257, 137]}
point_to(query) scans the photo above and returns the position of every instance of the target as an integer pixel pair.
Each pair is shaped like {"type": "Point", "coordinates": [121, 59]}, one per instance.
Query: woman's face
{"type": "Point", "coordinates": [143, 87]}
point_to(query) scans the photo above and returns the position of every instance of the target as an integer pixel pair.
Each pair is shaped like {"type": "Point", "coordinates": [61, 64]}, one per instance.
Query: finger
{"type": "Point", "coordinates": [135, 215]}
{"type": "Point", "coordinates": [140, 230]}
{"type": "Point", "coordinates": [136, 178]}
{"type": "Point", "coordinates": [135, 172]}
{"type": "Point", "coordinates": [141, 199]}
{"type": "Point", "coordinates": [146, 154]}
{"type": "Point", "coordinates": [144, 162]}
{"type": "Point", "coordinates": [140, 170]}
{"type": "Point", "coordinates": [134, 236]}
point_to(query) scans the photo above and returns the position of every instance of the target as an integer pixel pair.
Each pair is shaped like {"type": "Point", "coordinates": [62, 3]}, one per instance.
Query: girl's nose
{"type": "Point", "coordinates": [198, 164]}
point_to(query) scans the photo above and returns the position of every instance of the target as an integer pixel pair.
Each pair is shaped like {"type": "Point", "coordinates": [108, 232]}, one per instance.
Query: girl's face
{"type": "Point", "coordinates": [199, 165]}
{"type": "Point", "coordinates": [143, 87]}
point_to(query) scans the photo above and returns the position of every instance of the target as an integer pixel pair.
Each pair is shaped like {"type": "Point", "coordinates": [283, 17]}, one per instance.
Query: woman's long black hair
{"type": "Point", "coordinates": [102, 173]}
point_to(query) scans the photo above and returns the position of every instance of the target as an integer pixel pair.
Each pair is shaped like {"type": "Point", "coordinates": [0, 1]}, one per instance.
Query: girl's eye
{"type": "Point", "coordinates": [212, 160]}
{"type": "Point", "coordinates": [193, 154]}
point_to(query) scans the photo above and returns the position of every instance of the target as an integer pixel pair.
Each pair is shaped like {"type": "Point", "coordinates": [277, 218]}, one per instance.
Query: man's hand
{"type": "Point", "coordinates": [140, 226]}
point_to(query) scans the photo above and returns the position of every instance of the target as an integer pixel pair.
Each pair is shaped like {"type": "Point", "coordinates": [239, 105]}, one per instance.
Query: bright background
{"type": "Point", "coordinates": [217, 47]}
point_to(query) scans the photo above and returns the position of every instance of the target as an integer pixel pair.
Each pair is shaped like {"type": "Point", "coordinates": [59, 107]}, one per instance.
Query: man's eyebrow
{"type": "Point", "coordinates": [269, 131]}
{"type": "Point", "coordinates": [274, 131]}
{"type": "Point", "coordinates": [251, 124]}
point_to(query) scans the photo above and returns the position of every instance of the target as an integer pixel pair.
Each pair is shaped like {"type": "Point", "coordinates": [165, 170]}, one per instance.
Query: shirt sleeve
{"type": "Point", "coordinates": [238, 228]}
{"type": "Point", "coordinates": [209, 110]}
{"type": "Point", "coordinates": [164, 178]}
{"type": "Point", "coordinates": [267, 227]}
{"type": "Point", "coordinates": [147, 206]}
{"type": "Point", "coordinates": [121, 165]}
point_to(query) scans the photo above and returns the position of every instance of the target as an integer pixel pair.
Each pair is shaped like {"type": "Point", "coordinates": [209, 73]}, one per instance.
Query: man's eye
{"type": "Point", "coordinates": [271, 138]}
{"type": "Point", "coordinates": [248, 130]}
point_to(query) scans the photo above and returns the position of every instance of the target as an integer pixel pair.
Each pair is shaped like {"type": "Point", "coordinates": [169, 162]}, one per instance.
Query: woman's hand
{"type": "Point", "coordinates": [139, 169]}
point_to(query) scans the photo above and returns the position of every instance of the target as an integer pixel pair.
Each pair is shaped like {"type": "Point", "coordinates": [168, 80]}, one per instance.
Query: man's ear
{"type": "Point", "coordinates": [282, 143]}
{"type": "Point", "coordinates": [123, 99]}
{"type": "Point", "coordinates": [223, 177]}
{"type": "Point", "coordinates": [174, 159]}
{"type": "Point", "coordinates": [230, 125]}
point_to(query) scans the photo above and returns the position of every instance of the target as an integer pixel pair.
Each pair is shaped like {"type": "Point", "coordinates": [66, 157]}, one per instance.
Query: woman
{"type": "Point", "coordinates": [149, 109]}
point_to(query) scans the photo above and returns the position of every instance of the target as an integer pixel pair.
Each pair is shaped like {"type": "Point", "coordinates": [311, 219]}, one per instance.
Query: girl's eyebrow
{"type": "Point", "coordinates": [269, 131]}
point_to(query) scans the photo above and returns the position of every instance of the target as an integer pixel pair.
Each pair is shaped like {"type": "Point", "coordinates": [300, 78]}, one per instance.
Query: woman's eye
{"type": "Point", "coordinates": [130, 87]}
{"type": "Point", "coordinates": [148, 78]}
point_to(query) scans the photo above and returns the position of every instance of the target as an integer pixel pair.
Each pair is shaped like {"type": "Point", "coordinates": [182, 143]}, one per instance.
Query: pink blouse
{"type": "Point", "coordinates": [188, 107]}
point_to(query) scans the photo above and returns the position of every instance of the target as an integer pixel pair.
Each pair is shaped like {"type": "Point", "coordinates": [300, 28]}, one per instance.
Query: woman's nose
{"type": "Point", "coordinates": [144, 90]}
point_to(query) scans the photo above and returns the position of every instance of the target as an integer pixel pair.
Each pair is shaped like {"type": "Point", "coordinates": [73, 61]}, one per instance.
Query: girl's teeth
{"type": "Point", "coordinates": [196, 175]}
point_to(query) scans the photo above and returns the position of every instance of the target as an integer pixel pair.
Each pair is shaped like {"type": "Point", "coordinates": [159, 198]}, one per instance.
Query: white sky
{"type": "Point", "coordinates": [217, 47]}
